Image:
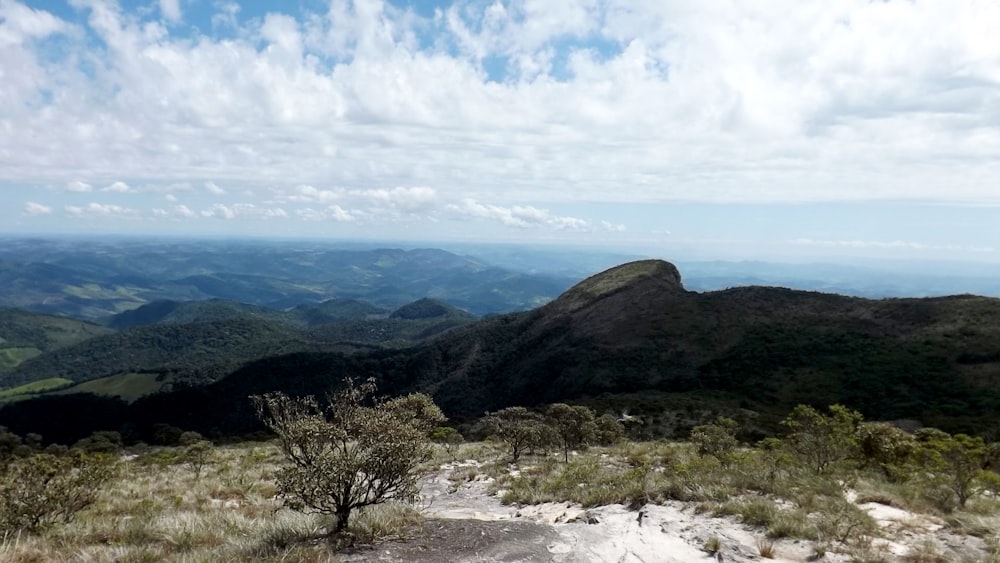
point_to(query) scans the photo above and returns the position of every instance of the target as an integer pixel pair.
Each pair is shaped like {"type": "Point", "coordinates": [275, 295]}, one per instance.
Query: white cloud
{"type": "Point", "coordinates": [213, 188]}
{"type": "Point", "coordinates": [405, 199]}
{"type": "Point", "coordinates": [517, 216]}
{"type": "Point", "coordinates": [171, 10]}
{"type": "Point", "coordinates": [19, 23]}
{"type": "Point", "coordinates": [93, 210]}
{"type": "Point", "coordinates": [364, 111]}
{"type": "Point", "coordinates": [229, 212]}
{"type": "Point", "coordinates": [33, 209]}
{"type": "Point", "coordinates": [171, 198]}
{"type": "Point", "coordinates": [331, 213]}
{"type": "Point", "coordinates": [613, 227]}
{"type": "Point", "coordinates": [78, 186]}
{"type": "Point", "coordinates": [177, 212]}
{"type": "Point", "coordinates": [117, 187]}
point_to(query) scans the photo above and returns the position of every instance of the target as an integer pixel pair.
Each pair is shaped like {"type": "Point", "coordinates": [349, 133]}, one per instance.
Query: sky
{"type": "Point", "coordinates": [786, 129]}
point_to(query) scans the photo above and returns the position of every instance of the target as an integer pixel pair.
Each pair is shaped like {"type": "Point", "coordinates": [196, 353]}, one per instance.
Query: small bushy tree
{"type": "Point", "coordinates": [716, 439]}
{"type": "Point", "coordinates": [520, 429]}
{"type": "Point", "coordinates": [952, 466]}
{"type": "Point", "coordinates": [349, 454]}
{"type": "Point", "coordinates": [575, 426]}
{"type": "Point", "coordinates": [887, 448]}
{"type": "Point", "coordinates": [43, 489]}
{"type": "Point", "coordinates": [197, 456]}
{"type": "Point", "coordinates": [609, 430]}
{"type": "Point", "coordinates": [100, 442]}
{"type": "Point", "coordinates": [819, 441]}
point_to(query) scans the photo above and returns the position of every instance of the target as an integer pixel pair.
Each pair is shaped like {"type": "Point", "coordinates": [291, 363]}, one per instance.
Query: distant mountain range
{"type": "Point", "coordinates": [632, 338]}
{"type": "Point", "coordinates": [93, 279]}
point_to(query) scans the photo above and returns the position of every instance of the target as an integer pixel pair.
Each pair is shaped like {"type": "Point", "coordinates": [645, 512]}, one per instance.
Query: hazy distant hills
{"type": "Point", "coordinates": [631, 338]}
{"type": "Point", "coordinates": [93, 279]}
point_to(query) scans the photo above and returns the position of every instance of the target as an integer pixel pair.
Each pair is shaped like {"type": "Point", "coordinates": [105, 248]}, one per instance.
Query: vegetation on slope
{"type": "Point", "coordinates": [25, 335]}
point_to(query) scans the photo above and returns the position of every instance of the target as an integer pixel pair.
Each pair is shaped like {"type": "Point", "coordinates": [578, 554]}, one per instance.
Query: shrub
{"type": "Point", "coordinates": [197, 455]}
{"type": "Point", "coordinates": [717, 439]}
{"type": "Point", "coordinates": [821, 442]}
{"type": "Point", "coordinates": [887, 448]}
{"type": "Point", "coordinates": [43, 489]}
{"type": "Point", "coordinates": [609, 430]}
{"type": "Point", "coordinates": [102, 442]}
{"type": "Point", "coordinates": [952, 466]}
{"type": "Point", "coordinates": [347, 455]}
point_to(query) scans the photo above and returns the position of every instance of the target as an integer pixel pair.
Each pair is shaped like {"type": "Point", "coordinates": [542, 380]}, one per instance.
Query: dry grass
{"type": "Point", "coordinates": [157, 511]}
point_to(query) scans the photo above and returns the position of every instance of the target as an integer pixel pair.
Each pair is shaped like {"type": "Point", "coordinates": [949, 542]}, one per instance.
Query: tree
{"type": "Point", "coordinates": [520, 429]}
{"type": "Point", "coordinates": [953, 465]}
{"type": "Point", "coordinates": [716, 439]}
{"type": "Point", "coordinates": [886, 447]}
{"type": "Point", "coordinates": [609, 430]}
{"type": "Point", "coordinates": [822, 441]}
{"type": "Point", "coordinates": [101, 442]}
{"type": "Point", "coordinates": [575, 426]}
{"type": "Point", "coordinates": [349, 454]}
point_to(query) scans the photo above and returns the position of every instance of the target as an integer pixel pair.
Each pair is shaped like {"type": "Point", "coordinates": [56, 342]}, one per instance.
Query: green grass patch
{"type": "Point", "coordinates": [33, 388]}
{"type": "Point", "coordinates": [127, 386]}
{"type": "Point", "coordinates": [12, 357]}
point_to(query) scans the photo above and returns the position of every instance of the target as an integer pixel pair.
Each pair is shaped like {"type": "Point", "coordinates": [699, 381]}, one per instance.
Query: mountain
{"type": "Point", "coordinates": [178, 312]}
{"type": "Point", "coordinates": [162, 349]}
{"type": "Point", "coordinates": [633, 338]}
{"type": "Point", "coordinates": [24, 335]}
{"type": "Point", "coordinates": [198, 341]}
{"type": "Point", "coordinates": [94, 279]}
{"type": "Point", "coordinates": [429, 309]}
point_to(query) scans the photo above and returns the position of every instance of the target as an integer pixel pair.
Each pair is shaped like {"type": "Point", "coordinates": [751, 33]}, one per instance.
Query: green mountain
{"type": "Point", "coordinates": [429, 309]}
{"type": "Point", "coordinates": [634, 331]}
{"type": "Point", "coordinates": [178, 312]}
{"type": "Point", "coordinates": [198, 341]}
{"type": "Point", "coordinates": [163, 349]}
{"type": "Point", "coordinates": [25, 335]}
{"type": "Point", "coordinates": [634, 339]}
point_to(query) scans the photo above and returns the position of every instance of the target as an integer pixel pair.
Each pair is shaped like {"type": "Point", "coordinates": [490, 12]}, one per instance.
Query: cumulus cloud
{"type": "Point", "coordinates": [33, 209]}
{"type": "Point", "coordinates": [177, 212]}
{"type": "Point", "coordinates": [229, 212]}
{"type": "Point", "coordinates": [213, 188]}
{"type": "Point", "coordinates": [117, 187]}
{"type": "Point", "coordinates": [20, 23]}
{"type": "Point", "coordinates": [502, 112]}
{"type": "Point", "coordinates": [78, 186]}
{"type": "Point", "coordinates": [94, 209]}
{"type": "Point", "coordinates": [517, 216]}
{"type": "Point", "coordinates": [171, 10]}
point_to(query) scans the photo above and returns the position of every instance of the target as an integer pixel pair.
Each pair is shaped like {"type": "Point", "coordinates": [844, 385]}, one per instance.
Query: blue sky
{"type": "Point", "coordinates": [792, 130]}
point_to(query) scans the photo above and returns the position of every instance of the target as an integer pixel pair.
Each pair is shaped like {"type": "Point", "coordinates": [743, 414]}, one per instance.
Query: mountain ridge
{"type": "Point", "coordinates": [634, 331]}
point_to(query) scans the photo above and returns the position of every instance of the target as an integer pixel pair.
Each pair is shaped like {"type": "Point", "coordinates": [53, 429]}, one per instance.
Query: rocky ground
{"type": "Point", "coordinates": [465, 523]}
